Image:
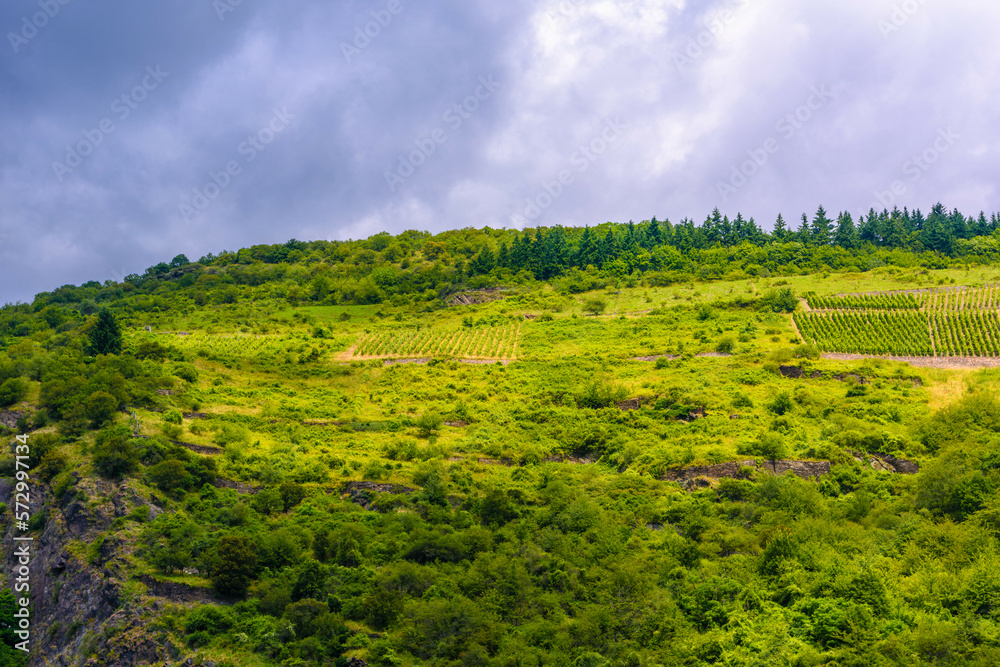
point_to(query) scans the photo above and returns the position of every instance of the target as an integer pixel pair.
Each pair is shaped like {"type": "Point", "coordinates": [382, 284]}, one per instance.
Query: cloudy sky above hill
{"type": "Point", "coordinates": [137, 131]}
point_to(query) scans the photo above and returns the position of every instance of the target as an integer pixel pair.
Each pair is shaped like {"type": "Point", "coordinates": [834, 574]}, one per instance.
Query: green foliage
{"type": "Point", "coordinates": [236, 564]}
{"type": "Point", "coordinates": [13, 391]}
{"type": "Point", "coordinates": [595, 306]}
{"type": "Point", "coordinates": [106, 336]}
{"type": "Point", "coordinates": [115, 452]}
{"type": "Point", "coordinates": [101, 408]}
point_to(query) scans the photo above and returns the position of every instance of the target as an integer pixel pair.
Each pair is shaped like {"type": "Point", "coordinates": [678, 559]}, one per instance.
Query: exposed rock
{"type": "Point", "coordinates": [471, 298]}
{"type": "Point", "coordinates": [562, 458]}
{"type": "Point", "coordinates": [633, 403]}
{"type": "Point", "coordinates": [9, 418]}
{"type": "Point", "coordinates": [364, 493]}
{"type": "Point", "coordinates": [733, 469]}
{"type": "Point", "coordinates": [76, 518]}
{"type": "Point", "coordinates": [794, 372]}
{"type": "Point", "coordinates": [803, 469]}
{"type": "Point", "coordinates": [239, 487]}
{"type": "Point", "coordinates": [887, 463]}
{"type": "Point", "coordinates": [457, 424]}
{"type": "Point", "coordinates": [199, 449]}
{"type": "Point", "coordinates": [816, 375]}
{"type": "Point", "coordinates": [700, 476]}
{"type": "Point", "coordinates": [196, 415]}
{"type": "Point", "coordinates": [844, 377]}
{"type": "Point", "coordinates": [164, 392]}
{"type": "Point", "coordinates": [176, 592]}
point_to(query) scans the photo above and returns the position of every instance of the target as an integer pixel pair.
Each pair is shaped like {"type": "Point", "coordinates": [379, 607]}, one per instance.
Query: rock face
{"type": "Point", "coordinates": [793, 372]}
{"type": "Point", "coordinates": [740, 470]}
{"type": "Point", "coordinates": [888, 463]}
{"type": "Point", "coordinates": [364, 493]}
{"type": "Point", "coordinates": [9, 418]}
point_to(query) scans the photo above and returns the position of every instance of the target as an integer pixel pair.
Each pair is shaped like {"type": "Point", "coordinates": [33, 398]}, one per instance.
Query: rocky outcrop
{"type": "Point", "coordinates": [199, 449]}
{"type": "Point", "coordinates": [887, 463]}
{"type": "Point", "coordinates": [793, 372]}
{"type": "Point", "coordinates": [365, 493]}
{"type": "Point", "coordinates": [743, 469]}
{"type": "Point", "coordinates": [9, 418]}
{"type": "Point", "coordinates": [238, 487]}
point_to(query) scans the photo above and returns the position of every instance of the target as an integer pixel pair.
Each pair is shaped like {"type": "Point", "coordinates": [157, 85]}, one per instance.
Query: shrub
{"type": "Point", "coordinates": [13, 391]}
{"type": "Point", "coordinates": [169, 475]}
{"type": "Point", "coordinates": [186, 372]}
{"type": "Point", "coordinates": [726, 345]}
{"type": "Point", "coordinates": [101, 407]}
{"type": "Point", "coordinates": [781, 404]}
{"type": "Point", "coordinates": [428, 424]}
{"type": "Point", "coordinates": [236, 563]}
{"type": "Point", "coordinates": [115, 452]}
{"type": "Point", "coordinates": [595, 306]}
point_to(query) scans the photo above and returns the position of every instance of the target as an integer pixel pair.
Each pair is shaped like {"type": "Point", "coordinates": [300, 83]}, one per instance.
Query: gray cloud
{"type": "Point", "coordinates": [699, 88]}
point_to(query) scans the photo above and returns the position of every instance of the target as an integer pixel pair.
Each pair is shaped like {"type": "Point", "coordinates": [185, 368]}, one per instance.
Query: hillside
{"type": "Point", "coordinates": [629, 445]}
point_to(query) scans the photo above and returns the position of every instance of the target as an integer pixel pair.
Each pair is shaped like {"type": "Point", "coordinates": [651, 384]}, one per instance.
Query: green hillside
{"type": "Point", "coordinates": [631, 445]}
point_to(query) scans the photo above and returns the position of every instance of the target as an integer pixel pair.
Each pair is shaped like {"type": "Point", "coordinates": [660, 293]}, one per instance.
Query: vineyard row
{"type": "Point", "coordinates": [907, 334]}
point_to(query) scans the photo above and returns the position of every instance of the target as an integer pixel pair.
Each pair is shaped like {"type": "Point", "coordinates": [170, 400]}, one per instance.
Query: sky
{"type": "Point", "coordinates": [134, 132]}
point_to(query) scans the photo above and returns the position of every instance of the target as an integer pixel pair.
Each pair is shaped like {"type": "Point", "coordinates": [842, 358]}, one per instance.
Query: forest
{"type": "Point", "coordinates": [626, 445]}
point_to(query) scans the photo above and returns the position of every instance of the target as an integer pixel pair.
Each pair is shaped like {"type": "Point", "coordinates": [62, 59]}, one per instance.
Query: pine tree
{"type": "Point", "coordinates": [105, 336]}
{"type": "Point", "coordinates": [780, 230]}
{"type": "Point", "coordinates": [847, 233]}
{"type": "Point", "coordinates": [654, 236]}
{"type": "Point", "coordinates": [821, 228]}
{"type": "Point", "coordinates": [587, 252]}
{"type": "Point", "coordinates": [804, 235]}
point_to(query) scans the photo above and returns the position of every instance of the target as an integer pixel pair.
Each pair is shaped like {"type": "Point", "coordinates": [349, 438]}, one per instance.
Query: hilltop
{"type": "Point", "coordinates": [637, 444]}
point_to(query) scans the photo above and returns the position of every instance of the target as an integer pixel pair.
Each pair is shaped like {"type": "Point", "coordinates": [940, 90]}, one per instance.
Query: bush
{"type": "Point", "coordinates": [428, 424]}
{"type": "Point", "coordinates": [781, 404]}
{"type": "Point", "coordinates": [595, 306]}
{"type": "Point", "coordinates": [101, 408]}
{"type": "Point", "coordinates": [169, 475]}
{"type": "Point", "coordinates": [115, 453]}
{"type": "Point", "coordinates": [186, 372]}
{"type": "Point", "coordinates": [13, 391]}
{"type": "Point", "coordinates": [726, 345]}
{"type": "Point", "coordinates": [236, 564]}
{"type": "Point", "coordinates": [600, 395]}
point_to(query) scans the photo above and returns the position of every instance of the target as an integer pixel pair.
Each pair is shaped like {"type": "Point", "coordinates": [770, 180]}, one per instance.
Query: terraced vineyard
{"type": "Point", "coordinates": [499, 342]}
{"type": "Point", "coordinates": [872, 332]}
{"type": "Point", "coordinates": [893, 301]}
{"type": "Point", "coordinates": [943, 322]}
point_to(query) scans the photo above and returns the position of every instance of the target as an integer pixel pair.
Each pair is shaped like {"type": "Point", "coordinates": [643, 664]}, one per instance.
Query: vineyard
{"type": "Point", "coordinates": [892, 333]}
{"type": "Point", "coordinates": [893, 301]}
{"type": "Point", "coordinates": [943, 322]}
{"type": "Point", "coordinates": [483, 343]}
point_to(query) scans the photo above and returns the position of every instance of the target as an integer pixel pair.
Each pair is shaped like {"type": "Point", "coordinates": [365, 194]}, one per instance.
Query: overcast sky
{"type": "Point", "coordinates": [134, 131]}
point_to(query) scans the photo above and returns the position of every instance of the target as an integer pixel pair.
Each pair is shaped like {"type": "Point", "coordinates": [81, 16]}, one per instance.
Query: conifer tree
{"type": "Point", "coordinates": [106, 337]}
